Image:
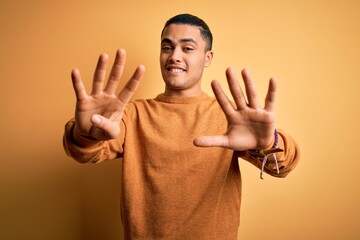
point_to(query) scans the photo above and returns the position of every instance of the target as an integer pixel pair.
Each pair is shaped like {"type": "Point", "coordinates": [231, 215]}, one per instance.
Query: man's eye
{"type": "Point", "coordinates": [166, 49]}
{"type": "Point", "coordinates": [188, 49]}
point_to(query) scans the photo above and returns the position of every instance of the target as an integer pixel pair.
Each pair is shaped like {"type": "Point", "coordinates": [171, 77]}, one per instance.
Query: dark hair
{"type": "Point", "coordinates": [192, 20]}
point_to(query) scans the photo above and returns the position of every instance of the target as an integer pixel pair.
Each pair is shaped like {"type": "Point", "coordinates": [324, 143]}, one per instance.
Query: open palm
{"type": "Point", "coordinates": [98, 115]}
{"type": "Point", "coordinates": [249, 125]}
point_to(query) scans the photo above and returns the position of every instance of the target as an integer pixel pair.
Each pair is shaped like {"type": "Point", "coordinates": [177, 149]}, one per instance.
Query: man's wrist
{"type": "Point", "coordinates": [83, 140]}
{"type": "Point", "coordinates": [265, 153]}
{"type": "Point", "coordinates": [271, 148]}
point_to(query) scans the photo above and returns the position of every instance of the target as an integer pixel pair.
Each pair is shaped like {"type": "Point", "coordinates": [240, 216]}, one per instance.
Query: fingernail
{"type": "Point", "coordinates": [96, 119]}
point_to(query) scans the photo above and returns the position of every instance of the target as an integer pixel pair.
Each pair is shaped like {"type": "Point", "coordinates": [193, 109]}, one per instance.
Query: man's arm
{"type": "Point", "coordinates": [251, 127]}
{"type": "Point", "coordinates": [88, 150]}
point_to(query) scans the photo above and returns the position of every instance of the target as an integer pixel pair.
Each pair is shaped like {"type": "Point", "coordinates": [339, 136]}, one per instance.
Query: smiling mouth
{"type": "Point", "coordinates": [175, 69]}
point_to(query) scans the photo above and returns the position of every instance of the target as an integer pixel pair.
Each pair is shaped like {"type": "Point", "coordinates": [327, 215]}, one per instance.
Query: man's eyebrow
{"type": "Point", "coordinates": [184, 40]}
{"type": "Point", "coordinates": [166, 40]}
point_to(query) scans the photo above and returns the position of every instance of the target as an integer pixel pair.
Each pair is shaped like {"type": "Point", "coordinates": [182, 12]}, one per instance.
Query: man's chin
{"type": "Point", "coordinates": [174, 83]}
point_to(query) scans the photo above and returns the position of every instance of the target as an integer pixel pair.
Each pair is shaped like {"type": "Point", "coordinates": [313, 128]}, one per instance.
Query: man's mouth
{"type": "Point", "coordinates": [175, 69]}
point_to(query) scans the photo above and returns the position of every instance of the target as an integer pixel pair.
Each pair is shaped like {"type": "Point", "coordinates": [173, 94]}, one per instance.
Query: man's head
{"type": "Point", "coordinates": [188, 19]}
{"type": "Point", "coordinates": [185, 52]}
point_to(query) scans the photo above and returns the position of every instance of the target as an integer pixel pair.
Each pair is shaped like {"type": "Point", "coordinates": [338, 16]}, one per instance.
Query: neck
{"type": "Point", "coordinates": [182, 92]}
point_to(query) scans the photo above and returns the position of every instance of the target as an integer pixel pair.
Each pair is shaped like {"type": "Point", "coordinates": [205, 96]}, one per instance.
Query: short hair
{"type": "Point", "coordinates": [192, 20]}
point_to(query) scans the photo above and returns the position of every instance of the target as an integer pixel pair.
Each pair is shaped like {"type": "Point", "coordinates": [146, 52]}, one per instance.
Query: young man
{"type": "Point", "coordinates": [181, 178]}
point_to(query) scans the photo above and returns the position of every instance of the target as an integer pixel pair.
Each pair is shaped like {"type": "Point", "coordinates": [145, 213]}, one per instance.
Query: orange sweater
{"type": "Point", "coordinates": [172, 189]}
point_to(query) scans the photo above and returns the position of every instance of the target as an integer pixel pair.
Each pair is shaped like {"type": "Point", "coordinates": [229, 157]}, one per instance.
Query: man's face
{"type": "Point", "coordinates": [182, 59]}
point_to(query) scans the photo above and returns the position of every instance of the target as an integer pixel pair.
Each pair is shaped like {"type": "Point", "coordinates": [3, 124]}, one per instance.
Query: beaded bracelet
{"type": "Point", "coordinates": [276, 142]}
{"type": "Point", "coordinates": [268, 155]}
{"type": "Point", "coordinates": [265, 154]}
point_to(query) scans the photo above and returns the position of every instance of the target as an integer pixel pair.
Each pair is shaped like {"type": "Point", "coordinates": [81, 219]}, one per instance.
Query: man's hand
{"type": "Point", "coordinates": [98, 115]}
{"type": "Point", "coordinates": [249, 125]}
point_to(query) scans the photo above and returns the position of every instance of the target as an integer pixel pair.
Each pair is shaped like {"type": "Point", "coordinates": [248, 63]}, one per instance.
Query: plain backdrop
{"type": "Point", "coordinates": [310, 46]}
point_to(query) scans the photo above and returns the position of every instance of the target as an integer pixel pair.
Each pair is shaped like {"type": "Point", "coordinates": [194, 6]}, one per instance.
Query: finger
{"type": "Point", "coordinates": [235, 89]}
{"type": "Point", "coordinates": [250, 89]}
{"type": "Point", "coordinates": [116, 71]}
{"type": "Point", "coordinates": [222, 98]}
{"type": "Point", "coordinates": [104, 128]}
{"type": "Point", "coordinates": [99, 75]}
{"type": "Point", "coordinates": [212, 141]}
{"type": "Point", "coordinates": [131, 86]}
{"type": "Point", "coordinates": [270, 96]}
{"type": "Point", "coordinates": [78, 85]}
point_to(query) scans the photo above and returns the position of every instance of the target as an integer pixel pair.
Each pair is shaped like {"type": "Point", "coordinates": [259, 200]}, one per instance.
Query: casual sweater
{"type": "Point", "coordinates": [172, 189]}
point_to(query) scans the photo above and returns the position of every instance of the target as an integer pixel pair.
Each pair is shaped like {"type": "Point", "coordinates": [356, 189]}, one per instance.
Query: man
{"type": "Point", "coordinates": [181, 179]}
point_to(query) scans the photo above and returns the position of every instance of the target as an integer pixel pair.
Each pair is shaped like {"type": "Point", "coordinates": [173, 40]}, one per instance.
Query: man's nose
{"type": "Point", "coordinates": [176, 55]}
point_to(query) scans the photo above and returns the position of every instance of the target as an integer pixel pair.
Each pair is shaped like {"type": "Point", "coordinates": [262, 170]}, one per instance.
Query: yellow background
{"type": "Point", "coordinates": [312, 47]}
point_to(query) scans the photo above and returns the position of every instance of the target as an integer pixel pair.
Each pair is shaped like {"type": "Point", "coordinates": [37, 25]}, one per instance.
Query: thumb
{"type": "Point", "coordinates": [105, 129]}
{"type": "Point", "coordinates": [212, 141]}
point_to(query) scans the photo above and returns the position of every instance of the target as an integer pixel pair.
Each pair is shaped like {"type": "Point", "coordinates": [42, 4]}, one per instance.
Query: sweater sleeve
{"type": "Point", "coordinates": [85, 150]}
{"type": "Point", "coordinates": [287, 160]}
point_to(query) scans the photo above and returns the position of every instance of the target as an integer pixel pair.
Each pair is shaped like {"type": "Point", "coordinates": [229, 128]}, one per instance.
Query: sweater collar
{"type": "Point", "coordinates": [181, 100]}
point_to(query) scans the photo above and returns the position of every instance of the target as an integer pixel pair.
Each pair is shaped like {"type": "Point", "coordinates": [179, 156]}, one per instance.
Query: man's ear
{"type": "Point", "coordinates": [208, 58]}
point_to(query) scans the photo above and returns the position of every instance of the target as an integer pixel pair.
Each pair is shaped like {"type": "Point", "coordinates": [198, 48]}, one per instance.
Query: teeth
{"type": "Point", "coordinates": [176, 70]}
